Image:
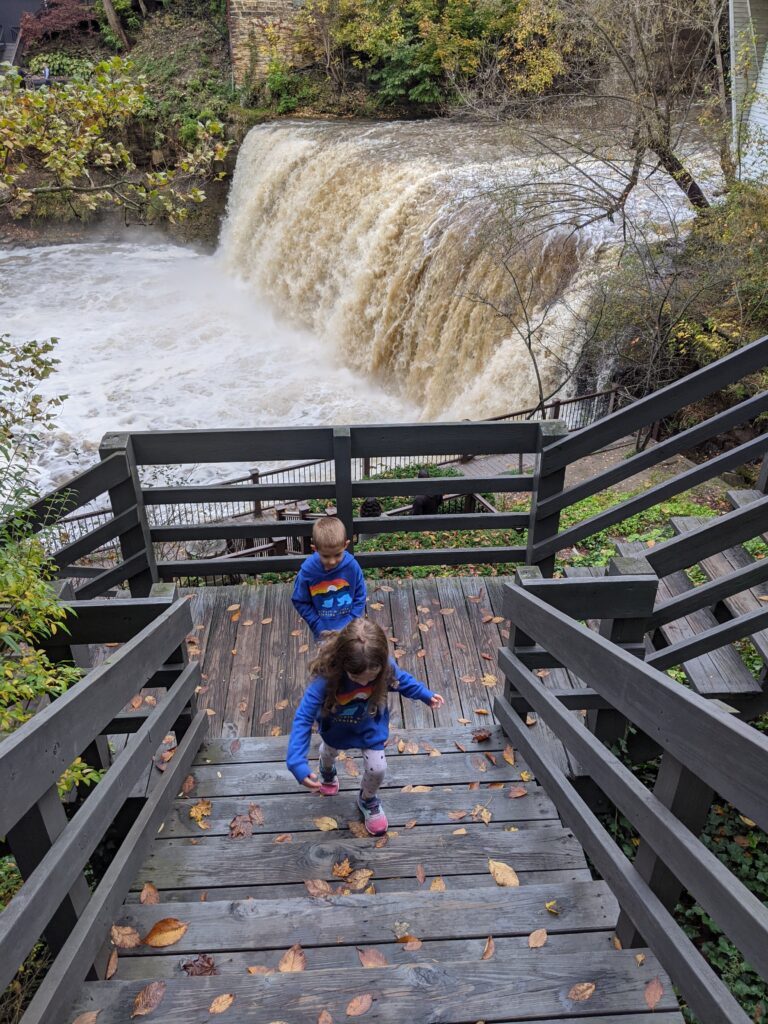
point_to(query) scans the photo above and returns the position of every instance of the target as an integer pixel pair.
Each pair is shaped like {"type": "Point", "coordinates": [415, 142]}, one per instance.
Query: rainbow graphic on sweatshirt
{"type": "Point", "coordinates": [328, 587]}
{"type": "Point", "coordinates": [361, 693]}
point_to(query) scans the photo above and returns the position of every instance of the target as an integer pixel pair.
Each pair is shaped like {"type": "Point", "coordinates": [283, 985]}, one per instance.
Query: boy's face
{"type": "Point", "coordinates": [330, 557]}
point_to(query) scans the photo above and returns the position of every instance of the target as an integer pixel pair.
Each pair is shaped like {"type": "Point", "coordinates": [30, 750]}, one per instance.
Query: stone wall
{"type": "Point", "coordinates": [254, 27]}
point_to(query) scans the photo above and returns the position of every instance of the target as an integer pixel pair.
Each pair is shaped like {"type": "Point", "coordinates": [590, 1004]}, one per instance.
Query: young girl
{"type": "Point", "coordinates": [352, 676]}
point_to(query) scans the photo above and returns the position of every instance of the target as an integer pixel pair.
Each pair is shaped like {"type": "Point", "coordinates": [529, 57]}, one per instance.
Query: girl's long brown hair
{"type": "Point", "coordinates": [360, 647]}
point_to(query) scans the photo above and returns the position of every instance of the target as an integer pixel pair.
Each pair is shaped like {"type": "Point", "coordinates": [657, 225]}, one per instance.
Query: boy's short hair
{"type": "Point", "coordinates": [329, 532]}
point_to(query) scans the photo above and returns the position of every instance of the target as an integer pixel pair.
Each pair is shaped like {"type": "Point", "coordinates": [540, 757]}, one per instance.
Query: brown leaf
{"type": "Point", "coordinates": [459, 746]}
{"type": "Point", "coordinates": [233, 608]}
{"type": "Point", "coordinates": [412, 823]}
{"type": "Point", "coordinates": [267, 716]}
{"type": "Point", "coordinates": [221, 1003]}
{"type": "Point", "coordinates": [265, 622]}
{"type": "Point", "coordinates": [137, 701]}
{"type": "Point", "coordinates": [372, 958]}
{"type": "Point", "coordinates": [503, 874]}
{"type": "Point", "coordinates": [415, 789]}
{"type": "Point", "coordinates": [317, 887]}
{"type": "Point", "coordinates": [351, 768]}
{"type": "Point", "coordinates": [149, 894]}
{"type": "Point", "coordinates": [457, 815]}
{"type": "Point", "coordinates": [491, 758]}
{"type": "Point", "coordinates": [463, 721]}
{"type": "Point", "coordinates": [240, 827]}
{"type": "Point", "coordinates": [148, 999]}
{"type": "Point", "coordinates": [653, 992]}
{"type": "Point", "coordinates": [537, 938]}
{"type": "Point", "coordinates": [165, 932]}
{"type": "Point", "coordinates": [459, 832]}
{"type": "Point", "coordinates": [437, 885]}
{"type": "Point", "coordinates": [530, 719]}
{"type": "Point", "coordinates": [256, 814]}
{"type": "Point", "coordinates": [200, 966]}
{"type": "Point", "coordinates": [489, 680]}
{"type": "Point", "coordinates": [275, 730]}
{"type": "Point", "coordinates": [235, 617]}
{"type": "Point", "coordinates": [381, 843]}
{"type": "Point", "coordinates": [411, 747]}
{"type": "Point", "coordinates": [324, 1017]}
{"type": "Point", "coordinates": [469, 679]}
{"type": "Point", "coordinates": [89, 1017]}
{"type": "Point", "coordinates": [481, 735]}
{"type": "Point", "coordinates": [303, 648]}
{"type": "Point", "coordinates": [188, 785]}
{"type": "Point", "coordinates": [325, 824]}
{"type": "Point", "coordinates": [421, 654]}
{"type": "Point", "coordinates": [482, 711]}
{"type": "Point", "coordinates": [487, 618]}
{"type": "Point", "coordinates": [639, 959]}
{"type": "Point", "coordinates": [111, 965]}
{"type": "Point", "coordinates": [204, 896]}
{"type": "Point", "coordinates": [515, 792]}
{"type": "Point", "coordinates": [402, 931]}
{"type": "Point", "coordinates": [581, 991]}
{"type": "Point", "coordinates": [542, 673]}
{"type": "Point", "coordinates": [281, 704]}
{"type": "Point", "coordinates": [490, 948]}
{"type": "Point", "coordinates": [342, 869]}
{"type": "Point", "coordinates": [360, 1005]}
{"type": "Point", "coordinates": [509, 755]}
{"type": "Point", "coordinates": [260, 969]}
{"type": "Point", "coordinates": [447, 611]}
{"type": "Point", "coordinates": [359, 879]}
{"type": "Point", "coordinates": [478, 762]}
{"type": "Point", "coordinates": [358, 829]}
{"type": "Point", "coordinates": [293, 960]}
{"type": "Point", "coordinates": [376, 605]}
{"type": "Point", "coordinates": [473, 785]}
{"type": "Point", "coordinates": [124, 937]}
{"type": "Point", "coordinates": [497, 619]}
{"type": "Point", "coordinates": [420, 874]}
{"type": "Point", "coordinates": [487, 657]}
{"type": "Point", "coordinates": [284, 837]}
{"type": "Point", "coordinates": [411, 943]}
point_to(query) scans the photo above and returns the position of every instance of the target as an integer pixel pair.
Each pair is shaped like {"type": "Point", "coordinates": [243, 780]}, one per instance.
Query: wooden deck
{"type": "Point", "coordinates": [429, 879]}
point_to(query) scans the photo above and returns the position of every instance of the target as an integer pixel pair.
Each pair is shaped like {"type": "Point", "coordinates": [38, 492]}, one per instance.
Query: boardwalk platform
{"type": "Point", "coordinates": [246, 902]}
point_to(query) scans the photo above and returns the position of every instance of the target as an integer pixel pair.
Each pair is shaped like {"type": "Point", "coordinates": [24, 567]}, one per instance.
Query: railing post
{"type": "Point", "coordinates": [257, 502]}
{"type": "Point", "coordinates": [342, 471]}
{"type": "Point", "coordinates": [546, 483]}
{"type": "Point", "coordinates": [517, 638]}
{"type": "Point", "coordinates": [122, 497]}
{"type": "Point", "coordinates": [762, 476]}
{"type": "Point", "coordinates": [305, 514]}
{"type": "Point", "coordinates": [689, 799]}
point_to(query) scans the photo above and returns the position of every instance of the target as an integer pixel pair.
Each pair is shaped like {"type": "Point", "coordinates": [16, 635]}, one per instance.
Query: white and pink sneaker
{"type": "Point", "coordinates": [329, 783]}
{"type": "Point", "coordinates": [375, 819]}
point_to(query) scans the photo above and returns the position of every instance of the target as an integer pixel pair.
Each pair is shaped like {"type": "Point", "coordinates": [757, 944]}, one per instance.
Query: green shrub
{"type": "Point", "coordinates": [61, 64]}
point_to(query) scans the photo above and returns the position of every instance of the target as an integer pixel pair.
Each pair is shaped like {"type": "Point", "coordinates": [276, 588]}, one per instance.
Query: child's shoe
{"type": "Point", "coordinates": [375, 819]}
{"type": "Point", "coordinates": [329, 782]}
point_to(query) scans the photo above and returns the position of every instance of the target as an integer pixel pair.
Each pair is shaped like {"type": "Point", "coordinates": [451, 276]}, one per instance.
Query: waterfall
{"type": "Point", "coordinates": [387, 239]}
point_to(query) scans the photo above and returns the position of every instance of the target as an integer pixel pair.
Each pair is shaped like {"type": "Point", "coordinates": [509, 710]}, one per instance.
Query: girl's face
{"type": "Point", "coordinates": [363, 678]}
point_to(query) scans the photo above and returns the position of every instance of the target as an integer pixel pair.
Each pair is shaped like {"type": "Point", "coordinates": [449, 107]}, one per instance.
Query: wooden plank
{"type": "Point", "coordinates": [245, 528]}
{"type": "Point", "coordinates": [457, 993]}
{"type": "Point", "coordinates": [275, 748]}
{"type": "Point", "coordinates": [706, 994]}
{"type": "Point", "coordinates": [167, 447]}
{"type": "Point", "coordinates": [216, 661]}
{"type": "Point", "coordinates": [33, 758]}
{"type": "Point", "coordinates": [437, 663]}
{"type": "Point", "coordinates": [605, 597]}
{"type": "Point", "coordinates": [64, 977]}
{"type": "Point", "coordinates": [468, 663]}
{"type": "Point", "coordinates": [326, 957]}
{"type": "Point", "coordinates": [452, 521]}
{"type": "Point", "coordinates": [585, 907]}
{"type": "Point", "coordinates": [655, 406]}
{"type": "Point", "coordinates": [710, 640]}
{"type": "Point", "coordinates": [297, 813]}
{"type": "Point", "coordinates": [205, 494]}
{"type": "Point", "coordinates": [133, 566]}
{"type": "Point", "coordinates": [416, 715]}
{"type": "Point", "coordinates": [444, 439]}
{"type": "Point", "coordinates": [680, 721]}
{"type": "Point", "coordinates": [204, 567]}
{"type": "Point", "coordinates": [272, 681]}
{"type": "Point", "coordinates": [440, 556]}
{"type": "Point", "coordinates": [682, 442]}
{"type": "Point", "coordinates": [740, 914]}
{"type": "Point", "coordinates": [79, 491]}
{"type": "Point", "coordinates": [548, 480]}
{"type": "Point", "coordinates": [711, 536]}
{"type": "Point", "coordinates": [506, 483]}
{"type": "Point", "coordinates": [24, 918]}
{"type": "Point", "coordinates": [108, 621]}
{"type": "Point", "coordinates": [238, 709]}
{"type": "Point", "coordinates": [450, 769]}
{"type": "Point", "coordinates": [94, 538]}
{"type": "Point", "coordinates": [378, 610]}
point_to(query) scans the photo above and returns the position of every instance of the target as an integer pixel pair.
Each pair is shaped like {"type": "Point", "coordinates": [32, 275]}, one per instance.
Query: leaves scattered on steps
{"type": "Point", "coordinates": [149, 894]}
{"type": "Point", "coordinates": [199, 811]}
{"type": "Point", "coordinates": [654, 990]}
{"type": "Point", "coordinates": [372, 957]}
{"type": "Point", "coordinates": [201, 966]}
{"type": "Point", "coordinates": [124, 937]}
{"type": "Point", "coordinates": [293, 960]}
{"type": "Point", "coordinates": [581, 991]}
{"type": "Point", "coordinates": [221, 1003]}
{"type": "Point", "coordinates": [148, 999]}
{"type": "Point", "coordinates": [360, 1005]}
{"type": "Point", "coordinates": [503, 874]}
{"type": "Point", "coordinates": [165, 932]}
{"type": "Point", "coordinates": [317, 887]}
{"type": "Point", "coordinates": [325, 824]}
{"type": "Point", "coordinates": [537, 938]}
{"type": "Point", "coordinates": [490, 948]}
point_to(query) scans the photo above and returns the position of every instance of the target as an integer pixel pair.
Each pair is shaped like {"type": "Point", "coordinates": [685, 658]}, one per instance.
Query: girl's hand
{"type": "Point", "coordinates": [311, 781]}
{"type": "Point", "coordinates": [437, 701]}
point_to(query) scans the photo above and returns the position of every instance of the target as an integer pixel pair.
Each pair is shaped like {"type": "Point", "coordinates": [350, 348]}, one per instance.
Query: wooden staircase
{"type": "Point", "coordinates": [409, 927]}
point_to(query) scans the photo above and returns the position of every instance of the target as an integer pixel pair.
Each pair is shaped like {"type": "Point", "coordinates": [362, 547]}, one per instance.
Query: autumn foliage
{"type": "Point", "coordinates": [58, 18]}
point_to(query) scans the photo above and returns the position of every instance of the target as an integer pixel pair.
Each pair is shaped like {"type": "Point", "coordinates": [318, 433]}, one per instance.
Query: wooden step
{"type": "Point", "coordinates": [723, 564]}
{"type": "Point", "coordinates": [740, 498]}
{"type": "Point", "coordinates": [500, 989]}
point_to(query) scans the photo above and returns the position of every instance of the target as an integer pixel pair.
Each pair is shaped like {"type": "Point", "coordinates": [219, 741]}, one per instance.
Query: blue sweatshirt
{"type": "Point", "coordinates": [329, 598]}
{"type": "Point", "coordinates": [349, 724]}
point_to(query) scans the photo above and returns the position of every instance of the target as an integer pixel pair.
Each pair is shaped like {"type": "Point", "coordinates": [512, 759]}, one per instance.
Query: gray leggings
{"type": "Point", "coordinates": [375, 767]}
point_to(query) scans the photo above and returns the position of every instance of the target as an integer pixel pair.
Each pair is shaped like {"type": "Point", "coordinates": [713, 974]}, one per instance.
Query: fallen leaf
{"type": "Point", "coordinates": [495, 785]}
{"type": "Point", "coordinates": [412, 823]}
{"type": "Point", "coordinates": [351, 768]}
{"type": "Point", "coordinates": [616, 942]}
{"type": "Point", "coordinates": [260, 969]}
{"type": "Point", "coordinates": [491, 758]}
{"type": "Point", "coordinates": [747, 821]}
{"type": "Point", "coordinates": [402, 930]}
{"type": "Point", "coordinates": [221, 1003]}
{"type": "Point", "coordinates": [360, 1005]}
{"type": "Point", "coordinates": [487, 618]}
{"type": "Point", "coordinates": [503, 874]}
{"type": "Point", "coordinates": [281, 704]}
{"type": "Point", "coordinates": [303, 648]}
{"type": "Point", "coordinates": [412, 944]}
{"type": "Point", "coordinates": [152, 701]}
{"type": "Point", "coordinates": [421, 874]}
{"type": "Point", "coordinates": [240, 827]}
{"type": "Point", "coordinates": [267, 716]}
{"type": "Point", "coordinates": [284, 837]}
{"type": "Point", "coordinates": [581, 991]}
{"type": "Point", "coordinates": [372, 958]}
{"type": "Point", "coordinates": [380, 843]}
{"type": "Point", "coordinates": [295, 632]}
{"type": "Point", "coordinates": [411, 747]}
{"type": "Point", "coordinates": [497, 619]}
{"type": "Point", "coordinates": [324, 1017]}
{"type": "Point", "coordinates": [473, 785]}
{"type": "Point", "coordinates": [359, 879]}
{"type": "Point", "coordinates": [210, 712]}
{"type": "Point", "coordinates": [463, 721]}
{"type": "Point", "coordinates": [233, 608]}
{"type": "Point", "coordinates": [358, 829]}
{"type": "Point", "coordinates": [552, 907]}
{"type": "Point", "coordinates": [376, 605]}
{"type": "Point", "coordinates": [111, 965]}
{"type": "Point", "coordinates": [509, 755]}
{"type": "Point", "coordinates": [148, 999]}
{"type": "Point", "coordinates": [265, 622]}
{"type": "Point", "coordinates": [482, 812]}
{"type": "Point", "coordinates": [481, 735]}
{"type": "Point", "coordinates": [256, 814]}
{"type": "Point", "coordinates": [125, 937]}
{"type": "Point", "coordinates": [235, 617]}
{"type": "Point", "coordinates": [165, 932]}
{"type": "Point", "coordinates": [137, 701]}
{"type": "Point", "coordinates": [537, 938]}
{"type": "Point", "coordinates": [325, 824]}
{"type": "Point", "coordinates": [188, 785]}
{"type": "Point", "coordinates": [149, 894]}
{"type": "Point", "coordinates": [459, 832]}
{"type": "Point", "coordinates": [437, 885]}
{"type": "Point", "coordinates": [654, 990]}
{"type": "Point", "coordinates": [526, 776]}
{"type": "Point", "coordinates": [542, 673]}
{"type": "Point", "coordinates": [639, 959]}
{"type": "Point", "coordinates": [421, 654]}
{"type": "Point", "coordinates": [459, 746]}
{"type": "Point", "coordinates": [469, 679]}
{"type": "Point", "coordinates": [489, 680]}
{"type": "Point", "coordinates": [199, 811]}
{"type": "Point", "coordinates": [204, 896]}
{"type": "Point", "coordinates": [457, 815]}
{"type": "Point", "coordinates": [317, 887]}
{"type": "Point", "coordinates": [479, 762]}
{"type": "Point", "coordinates": [515, 792]}
{"type": "Point", "coordinates": [447, 611]}
{"type": "Point", "coordinates": [275, 730]}
{"type": "Point", "coordinates": [415, 789]}
{"type": "Point", "coordinates": [486, 656]}
{"type": "Point", "coordinates": [481, 711]}
{"type": "Point", "coordinates": [342, 869]}
{"type": "Point", "coordinates": [530, 719]}
{"type": "Point", "coordinates": [490, 948]}
{"type": "Point", "coordinates": [293, 960]}
{"type": "Point", "coordinates": [199, 966]}
{"type": "Point", "coordinates": [89, 1017]}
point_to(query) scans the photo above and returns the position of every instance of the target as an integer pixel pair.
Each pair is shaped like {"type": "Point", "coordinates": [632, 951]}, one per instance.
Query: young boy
{"type": "Point", "coordinates": [330, 590]}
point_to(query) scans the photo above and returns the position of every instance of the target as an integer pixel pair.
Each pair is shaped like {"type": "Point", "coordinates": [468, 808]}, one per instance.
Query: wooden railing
{"type": "Point", "coordinates": [52, 850]}
{"type": "Point", "coordinates": [687, 728]}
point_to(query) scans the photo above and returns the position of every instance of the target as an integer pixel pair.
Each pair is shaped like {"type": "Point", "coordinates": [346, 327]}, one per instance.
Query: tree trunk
{"type": "Point", "coordinates": [115, 24]}
{"type": "Point", "coordinates": [143, 9]}
{"type": "Point", "coordinates": [681, 175]}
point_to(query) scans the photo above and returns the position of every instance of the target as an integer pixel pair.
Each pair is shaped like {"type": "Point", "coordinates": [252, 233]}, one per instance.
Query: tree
{"type": "Point", "coordinates": [61, 150]}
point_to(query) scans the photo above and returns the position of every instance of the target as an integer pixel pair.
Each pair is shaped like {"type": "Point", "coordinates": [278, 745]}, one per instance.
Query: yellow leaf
{"type": "Point", "coordinates": [639, 959]}
{"type": "Point", "coordinates": [343, 869]}
{"type": "Point", "coordinates": [233, 608]}
{"type": "Point", "coordinates": [437, 885]}
{"type": "Point", "coordinates": [552, 907]}
{"type": "Point", "coordinates": [489, 680]}
{"type": "Point", "coordinates": [537, 938]}
{"type": "Point", "coordinates": [293, 960]}
{"type": "Point", "coordinates": [326, 824]}
{"type": "Point", "coordinates": [481, 711]}
{"type": "Point", "coordinates": [459, 832]}
{"type": "Point", "coordinates": [221, 1003]}
{"type": "Point", "coordinates": [260, 969]}
{"type": "Point", "coordinates": [747, 821]}
{"type": "Point", "coordinates": [165, 932]}
{"type": "Point", "coordinates": [503, 874]}
{"type": "Point", "coordinates": [265, 622]}
{"type": "Point", "coordinates": [526, 776]}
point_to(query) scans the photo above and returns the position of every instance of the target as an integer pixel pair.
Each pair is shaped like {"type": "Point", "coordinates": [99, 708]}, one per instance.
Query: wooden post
{"type": "Point", "coordinates": [609, 725]}
{"type": "Point", "coordinates": [689, 799]}
{"type": "Point", "coordinates": [305, 514]}
{"type": "Point", "coordinates": [122, 497]}
{"type": "Point", "coordinates": [342, 467]}
{"type": "Point", "coordinates": [517, 638]}
{"type": "Point", "coordinates": [257, 503]}
{"type": "Point", "coordinates": [29, 840]}
{"type": "Point", "coordinates": [366, 465]}
{"type": "Point", "coordinates": [762, 476]}
{"type": "Point", "coordinates": [546, 483]}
